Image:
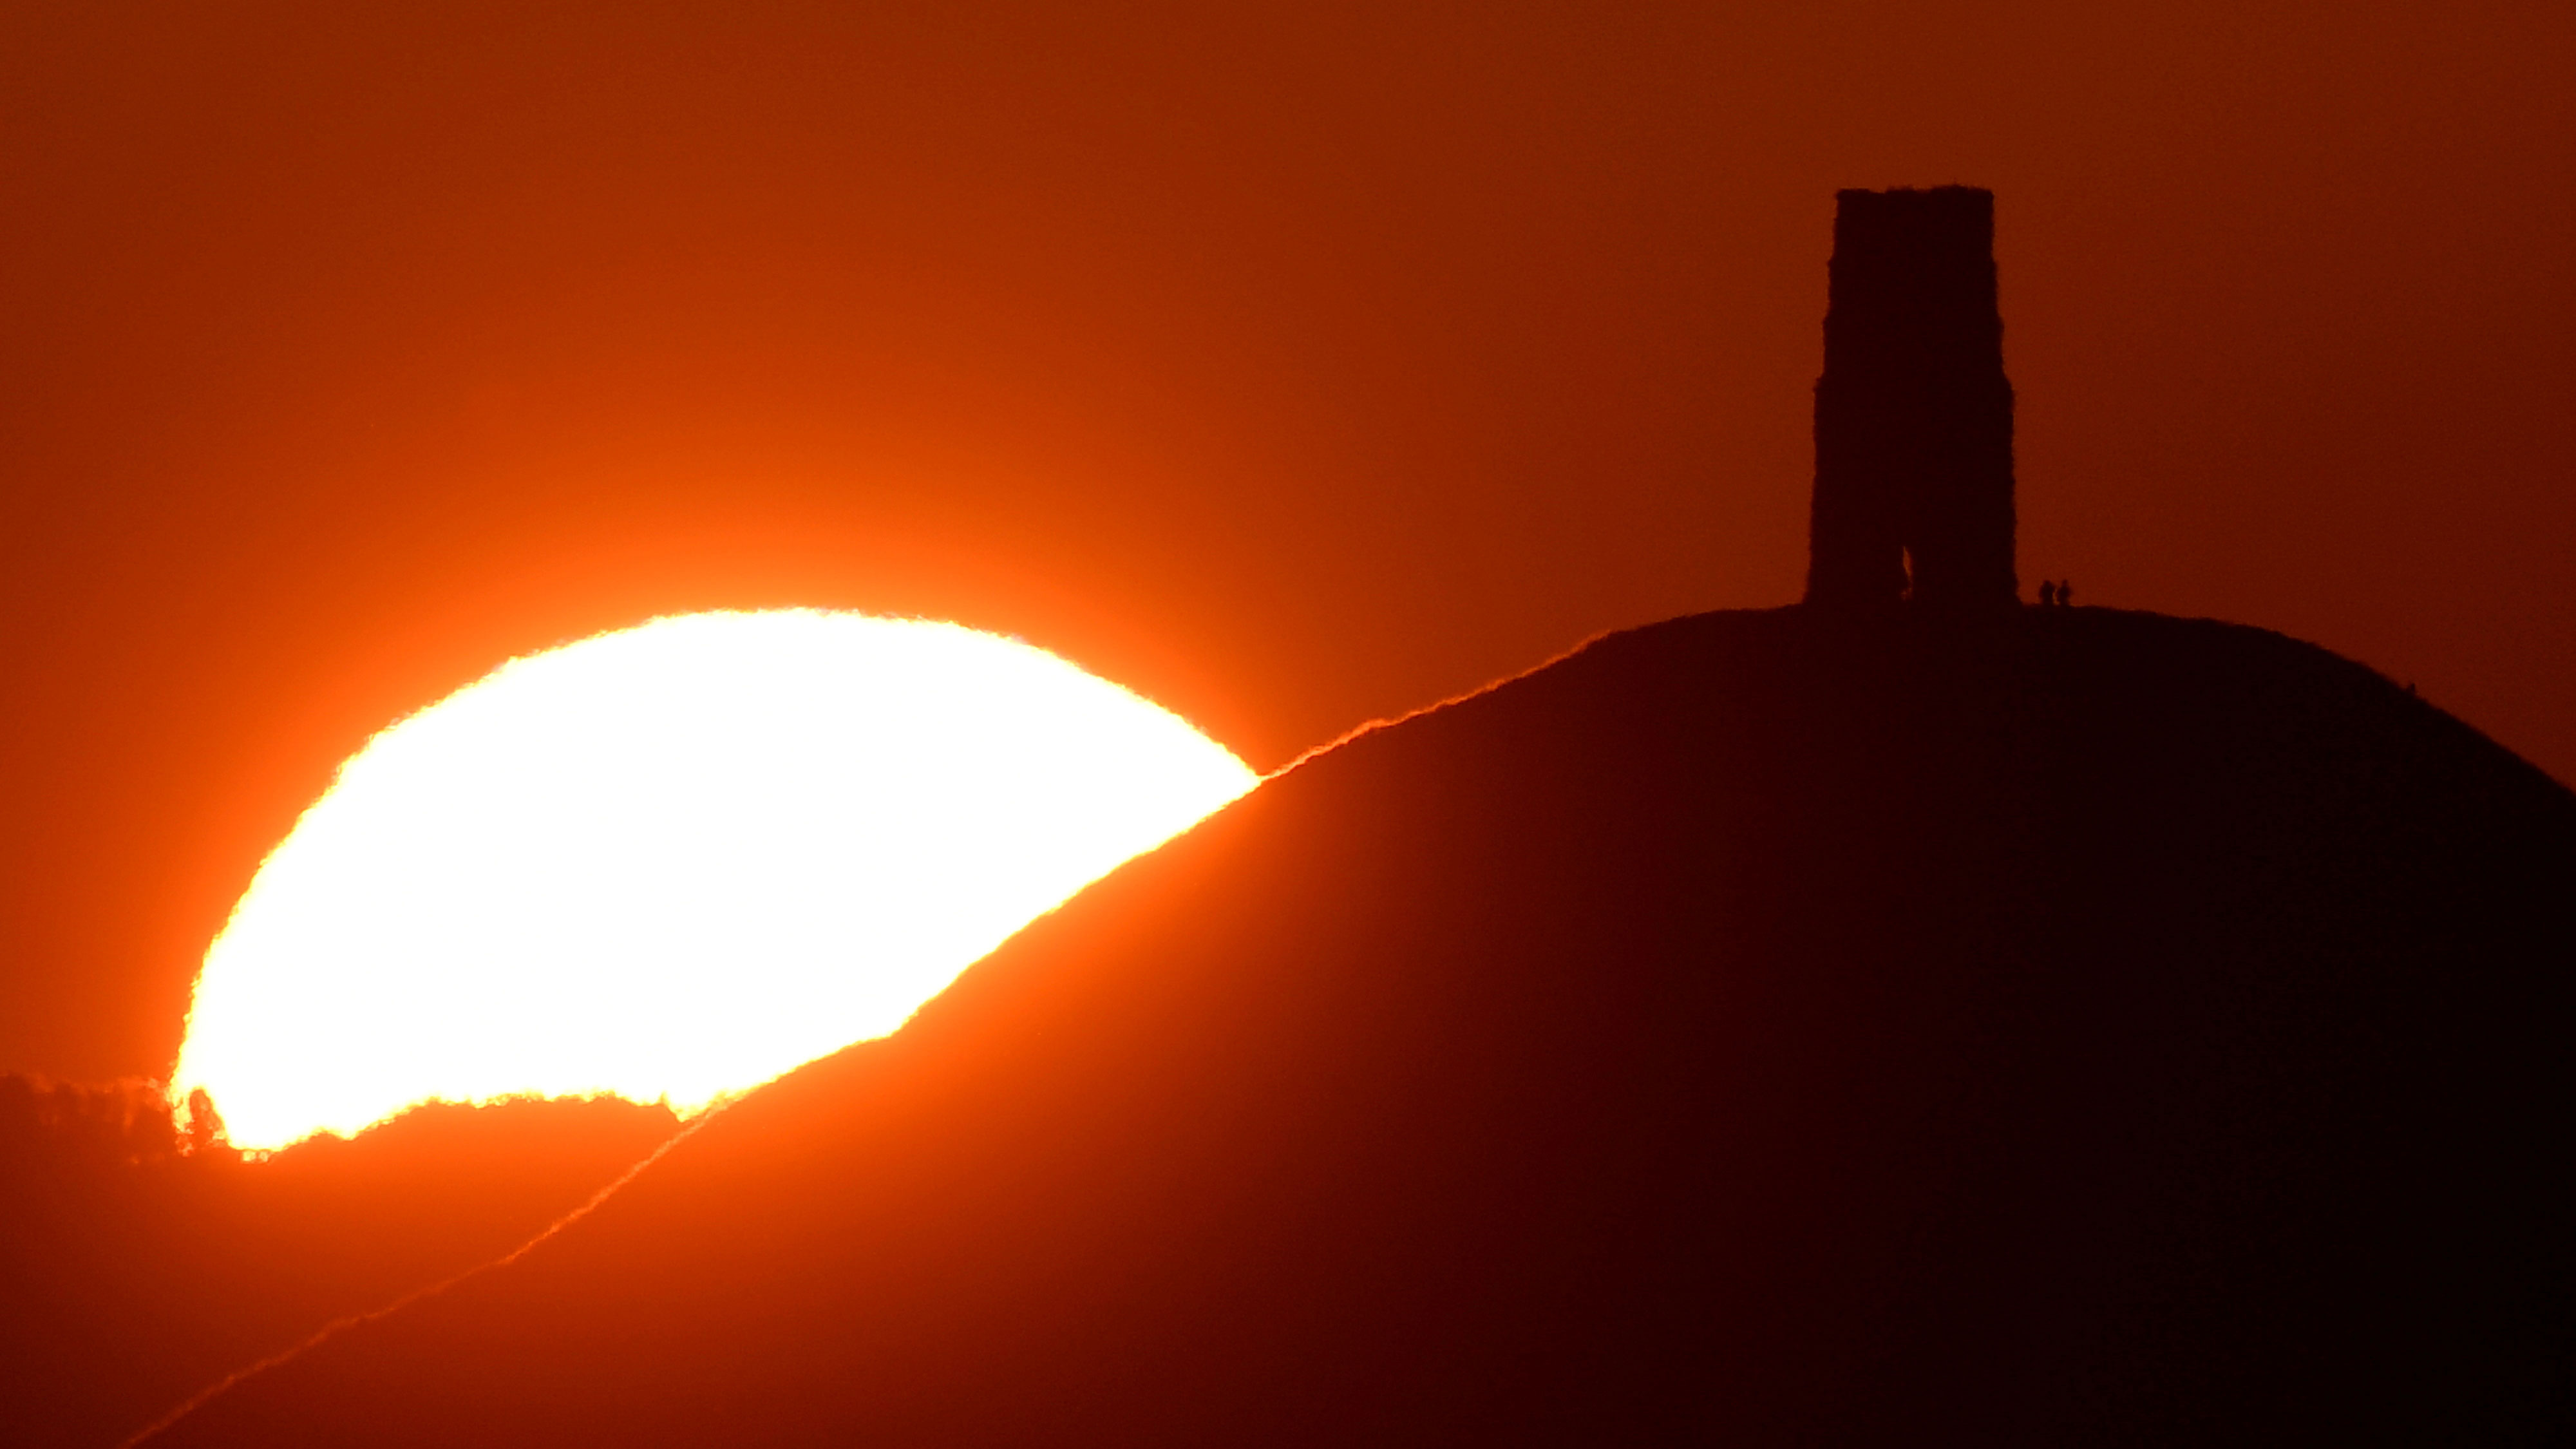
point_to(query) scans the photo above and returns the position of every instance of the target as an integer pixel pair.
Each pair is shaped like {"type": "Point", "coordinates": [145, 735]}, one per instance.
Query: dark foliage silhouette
{"type": "Point", "coordinates": [134, 1272]}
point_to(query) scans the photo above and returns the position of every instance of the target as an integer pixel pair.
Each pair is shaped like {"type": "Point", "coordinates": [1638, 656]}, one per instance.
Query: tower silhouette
{"type": "Point", "coordinates": [1913, 413]}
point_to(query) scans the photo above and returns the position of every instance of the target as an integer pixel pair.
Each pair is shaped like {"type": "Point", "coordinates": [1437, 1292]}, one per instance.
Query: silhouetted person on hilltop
{"type": "Point", "coordinates": [2047, 594]}
{"type": "Point", "coordinates": [1914, 418]}
{"type": "Point", "coordinates": [2065, 594]}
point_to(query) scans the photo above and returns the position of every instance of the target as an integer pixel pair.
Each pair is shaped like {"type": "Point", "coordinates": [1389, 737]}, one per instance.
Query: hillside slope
{"type": "Point", "coordinates": [2082, 1027]}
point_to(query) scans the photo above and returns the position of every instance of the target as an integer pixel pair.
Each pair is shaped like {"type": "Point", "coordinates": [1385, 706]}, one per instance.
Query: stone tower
{"type": "Point", "coordinates": [1914, 461]}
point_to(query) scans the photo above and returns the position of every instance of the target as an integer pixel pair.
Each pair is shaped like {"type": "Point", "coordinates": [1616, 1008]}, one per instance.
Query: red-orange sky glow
{"type": "Point", "coordinates": [1291, 365]}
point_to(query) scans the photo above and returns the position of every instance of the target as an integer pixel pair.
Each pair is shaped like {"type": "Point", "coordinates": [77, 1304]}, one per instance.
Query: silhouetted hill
{"type": "Point", "coordinates": [2069, 1027]}
{"type": "Point", "coordinates": [133, 1275]}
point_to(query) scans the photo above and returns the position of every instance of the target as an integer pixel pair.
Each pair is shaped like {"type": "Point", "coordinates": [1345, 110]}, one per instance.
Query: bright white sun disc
{"type": "Point", "coordinates": [673, 862]}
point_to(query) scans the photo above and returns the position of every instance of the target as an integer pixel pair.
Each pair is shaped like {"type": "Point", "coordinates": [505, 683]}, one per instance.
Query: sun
{"type": "Point", "coordinates": [672, 862]}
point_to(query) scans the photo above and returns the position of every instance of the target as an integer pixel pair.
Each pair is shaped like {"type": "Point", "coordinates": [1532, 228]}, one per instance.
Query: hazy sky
{"type": "Point", "coordinates": [1292, 364]}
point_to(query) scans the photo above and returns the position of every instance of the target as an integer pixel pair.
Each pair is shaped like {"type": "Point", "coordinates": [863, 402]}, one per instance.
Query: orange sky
{"type": "Point", "coordinates": [1292, 364]}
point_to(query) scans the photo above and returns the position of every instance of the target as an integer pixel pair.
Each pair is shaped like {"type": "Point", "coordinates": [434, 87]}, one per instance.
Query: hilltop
{"type": "Point", "coordinates": [2034, 1027]}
